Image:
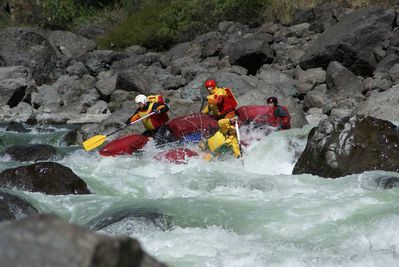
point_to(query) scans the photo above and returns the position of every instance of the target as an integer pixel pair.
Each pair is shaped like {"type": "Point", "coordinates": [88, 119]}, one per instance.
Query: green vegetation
{"type": "Point", "coordinates": [59, 14]}
{"type": "Point", "coordinates": [141, 28]}
{"type": "Point", "coordinates": [159, 24]}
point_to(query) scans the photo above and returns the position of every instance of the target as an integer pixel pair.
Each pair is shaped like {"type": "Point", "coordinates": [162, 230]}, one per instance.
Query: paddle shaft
{"type": "Point", "coordinates": [142, 118]}
{"type": "Point", "coordinates": [238, 135]}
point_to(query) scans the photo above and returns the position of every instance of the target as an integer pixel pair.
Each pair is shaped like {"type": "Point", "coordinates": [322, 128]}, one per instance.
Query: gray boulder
{"type": "Point", "coordinates": [339, 147]}
{"type": "Point", "coordinates": [46, 240]}
{"type": "Point", "coordinates": [352, 41]}
{"type": "Point", "coordinates": [30, 48]}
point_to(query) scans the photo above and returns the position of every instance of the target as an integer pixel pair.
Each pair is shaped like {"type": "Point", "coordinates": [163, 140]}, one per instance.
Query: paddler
{"type": "Point", "coordinates": [223, 141]}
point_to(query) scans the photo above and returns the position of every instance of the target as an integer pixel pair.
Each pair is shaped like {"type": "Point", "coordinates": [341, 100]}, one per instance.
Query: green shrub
{"type": "Point", "coordinates": [185, 19]}
{"type": "Point", "coordinates": [141, 28]}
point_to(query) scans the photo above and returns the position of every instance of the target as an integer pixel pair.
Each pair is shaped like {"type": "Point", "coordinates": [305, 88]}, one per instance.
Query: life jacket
{"type": "Point", "coordinates": [221, 102]}
{"type": "Point", "coordinates": [157, 120]}
{"type": "Point", "coordinates": [278, 116]}
{"type": "Point", "coordinates": [228, 104]}
{"type": "Point", "coordinates": [155, 98]}
{"type": "Point", "coordinates": [220, 144]}
{"type": "Point", "coordinates": [216, 141]}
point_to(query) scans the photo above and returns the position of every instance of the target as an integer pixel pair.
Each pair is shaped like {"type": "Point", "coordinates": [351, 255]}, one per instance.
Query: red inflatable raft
{"type": "Point", "coordinates": [179, 128]}
{"type": "Point", "coordinates": [176, 155]}
{"type": "Point", "coordinates": [124, 145]}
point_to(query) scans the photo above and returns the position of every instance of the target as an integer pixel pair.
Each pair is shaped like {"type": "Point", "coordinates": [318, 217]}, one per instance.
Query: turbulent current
{"type": "Point", "coordinates": [249, 212]}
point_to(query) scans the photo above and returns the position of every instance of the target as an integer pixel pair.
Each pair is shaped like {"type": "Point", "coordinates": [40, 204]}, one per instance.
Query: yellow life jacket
{"type": "Point", "coordinates": [219, 143]}
{"type": "Point", "coordinates": [147, 123]}
{"type": "Point", "coordinates": [216, 141]}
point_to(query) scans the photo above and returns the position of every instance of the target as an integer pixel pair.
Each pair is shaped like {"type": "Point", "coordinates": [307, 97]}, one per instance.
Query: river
{"type": "Point", "coordinates": [249, 212]}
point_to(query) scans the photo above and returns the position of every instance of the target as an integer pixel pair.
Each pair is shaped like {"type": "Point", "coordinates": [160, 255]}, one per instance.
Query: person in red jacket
{"type": "Point", "coordinates": [277, 116]}
{"type": "Point", "coordinates": [220, 103]}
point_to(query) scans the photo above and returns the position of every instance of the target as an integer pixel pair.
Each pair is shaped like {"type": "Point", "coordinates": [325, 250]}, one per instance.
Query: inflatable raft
{"type": "Point", "coordinates": [188, 128]}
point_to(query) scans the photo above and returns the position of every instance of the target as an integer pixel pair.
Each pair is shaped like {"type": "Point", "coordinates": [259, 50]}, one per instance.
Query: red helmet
{"type": "Point", "coordinates": [210, 83]}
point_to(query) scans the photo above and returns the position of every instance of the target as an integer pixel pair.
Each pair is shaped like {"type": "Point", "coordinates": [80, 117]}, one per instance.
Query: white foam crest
{"type": "Point", "coordinates": [209, 246]}
{"type": "Point", "coordinates": [273, 154]}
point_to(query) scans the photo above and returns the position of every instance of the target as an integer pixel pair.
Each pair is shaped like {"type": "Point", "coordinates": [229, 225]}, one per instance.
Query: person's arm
{"type": "Point", "coordinates": [205, 109]}
{"type": "Point", "coordinates": [216, 98]}
{"type": "Point", "coordinates": [134, 117]}
{"type": "Point", "coordinates": [161, 107]}
{"type": "Point", "coordinates": [284, 118]}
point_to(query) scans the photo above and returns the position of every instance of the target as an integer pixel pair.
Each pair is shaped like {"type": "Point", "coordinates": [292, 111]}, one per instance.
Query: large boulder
{"type": "Point", "coordinates": [382, 105]}
{"type": "Point", "coordinates": [16, 84]}
{"type": "Point", "coordinates": [70, 44]}
{"type": "Point", "coordinates": [353, 41]}
{"type": "Point", "coordinates": [12, 207]}
{"type": "Point", "coordinates": [30, 48]}
{"type": "Point", "coordinates": [46, 240]}
{"type": "Point", "coordinates": [46, 177]}
{"type": "Point", "coordinates": [339, 147]}
{"type": "Point", "coordinates": [250, 53]}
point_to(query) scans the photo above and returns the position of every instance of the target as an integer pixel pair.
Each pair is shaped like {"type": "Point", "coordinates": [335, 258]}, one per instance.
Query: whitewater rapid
{"type": "Point", "coordinates": [249, 212]}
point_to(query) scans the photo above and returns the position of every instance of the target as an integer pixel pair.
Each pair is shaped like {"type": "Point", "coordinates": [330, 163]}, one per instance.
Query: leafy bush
{"type": "Point", "coordinates": [59, 14]}
{"type": "Point", "coordinates": [141, 28]}
{"type": "Point", "coordinates": [158, 24]}
{"type": "Point", "coordinates": [185, 19]}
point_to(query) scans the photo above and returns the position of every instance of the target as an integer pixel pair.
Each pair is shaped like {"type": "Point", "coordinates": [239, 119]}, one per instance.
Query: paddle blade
{"type": "Point", "coordinates": [94, 142]}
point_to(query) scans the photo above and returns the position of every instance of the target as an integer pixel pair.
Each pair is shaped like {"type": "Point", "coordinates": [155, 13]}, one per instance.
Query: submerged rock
{"type": "Point", "coordinates": [31, 152]}
{"type": "Point", "coordinates": [13, 207]}
{"type": "Point", "coordinates": [151, 218]}
{"type": "Point", "coordinates": [387, 182]}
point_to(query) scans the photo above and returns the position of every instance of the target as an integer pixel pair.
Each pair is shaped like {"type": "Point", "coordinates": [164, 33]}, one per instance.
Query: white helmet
{"type": "Point", "coordinates": [141, 99]}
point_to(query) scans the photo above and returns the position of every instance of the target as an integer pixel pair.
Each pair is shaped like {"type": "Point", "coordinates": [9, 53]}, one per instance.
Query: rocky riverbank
{"type": "Point", "coordinates": [331, 63]}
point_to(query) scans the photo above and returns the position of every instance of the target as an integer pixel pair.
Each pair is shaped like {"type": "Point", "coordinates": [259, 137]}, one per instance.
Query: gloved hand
{"type": "Point", "coordinates": [157, 111]}
{"type": "Point", "coordinates": [128, 121]}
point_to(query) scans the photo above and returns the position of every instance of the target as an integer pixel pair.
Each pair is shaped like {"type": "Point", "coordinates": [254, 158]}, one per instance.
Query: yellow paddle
{"type": "Point", "coordinates": [98, 140]}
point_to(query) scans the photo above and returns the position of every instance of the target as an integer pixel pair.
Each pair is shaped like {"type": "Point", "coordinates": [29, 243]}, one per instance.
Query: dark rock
{"type": "Point", "coordinates": [16, 127]}
{"type": "Point", "coordinates": [386, 63]}
{"type": "Point", "coordinates": [352, 41]}
{"type": "Point", "coordinates": [387, 182]}
{"type": "Point", "coordinates": [31, 152]}
{"type": "Point", "coordinates": [150, 217]}
{"type": "Point", "coordinates": [46, 177]}
{"type": "Point", "coordinates": [339, 147]}
{"type": "Point", "coordinates": [249, 53]}
{"type": "Point", "coordinates": [46, 240]}
{"type": "Point", "coordinates": [320, 17]}
{"type": "Point", "coordinates": [13, 207]}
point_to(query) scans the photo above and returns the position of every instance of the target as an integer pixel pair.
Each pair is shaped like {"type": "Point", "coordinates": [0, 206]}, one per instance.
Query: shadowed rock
{"type": "Point", "coordinates": [339, 147]}
{"type": "Point", "coordinates": [13, 207]}
{"type": "Point", "coordinates": [150, 217]}
{"type": "Point", "coordinates": [387, 182]}
{"type": "Point", "coordinates": [352, 41]}
{"type": "Point", "coordinates": [16, 127]}
{"type": "Point", "coordinates": [46, 240]}
{"type": "Point", "coordinates": [31, 152]}
{"type": "Point", "coordinates": [46, 177]}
